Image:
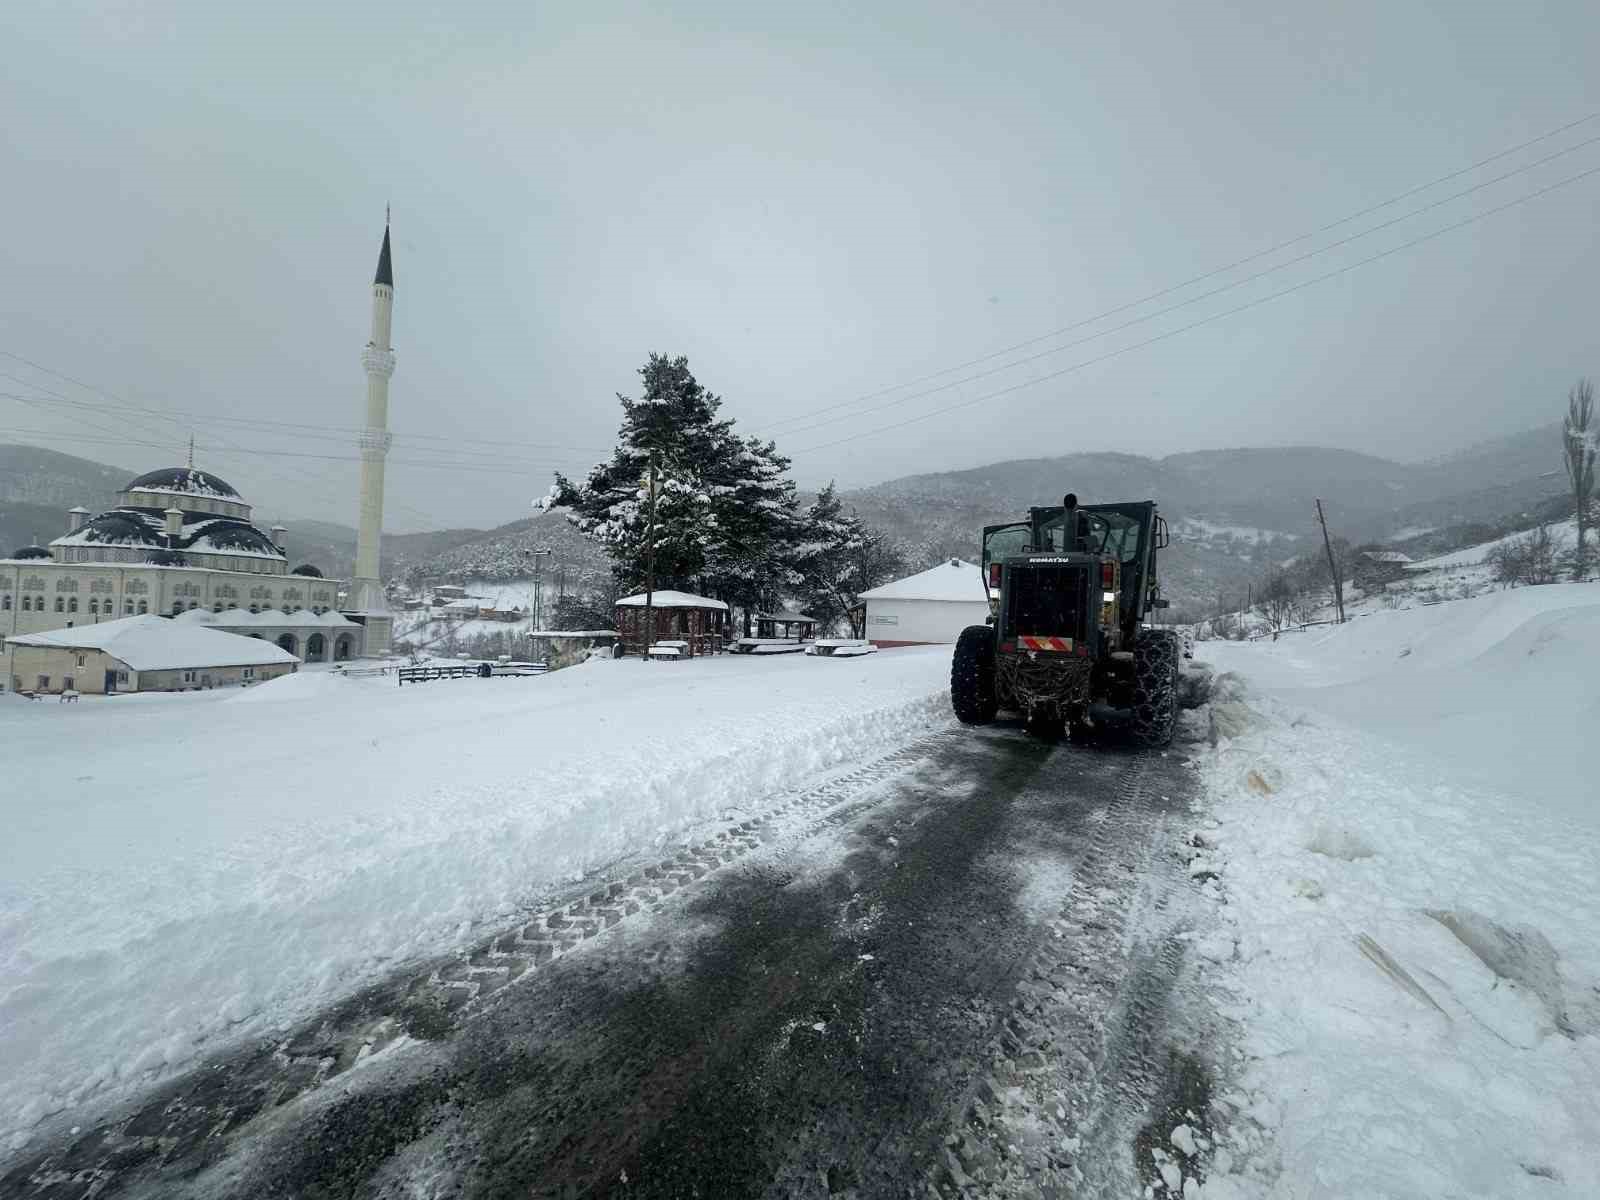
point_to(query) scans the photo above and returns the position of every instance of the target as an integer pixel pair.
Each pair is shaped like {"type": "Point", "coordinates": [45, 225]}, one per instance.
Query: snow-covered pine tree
{"type": "Point", "coordinates": [837, 557]}
{"type": "Point", "coordinates": [675, 421]}
{"type": "Point", "coordinates": [725, 509]}
{"type": "Point", "coordinates": [756, 525]}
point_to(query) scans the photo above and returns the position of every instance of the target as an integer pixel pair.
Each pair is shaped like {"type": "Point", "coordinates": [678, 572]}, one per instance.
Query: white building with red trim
{"type": "Point", "coordinates": [928, 608]}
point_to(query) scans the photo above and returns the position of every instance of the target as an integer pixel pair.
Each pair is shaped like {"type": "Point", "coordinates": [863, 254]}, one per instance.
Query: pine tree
{"type": "Point", "coordinates": [725, 509]}
{"type": "Point", "coordinates": [837, 557]}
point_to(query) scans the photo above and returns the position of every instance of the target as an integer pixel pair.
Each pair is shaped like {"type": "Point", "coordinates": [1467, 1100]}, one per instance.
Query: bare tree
{"type": "Point", "coordinates": [1578, 443]}
{"type": "Point", "coordinates": [1279, 601]}
{"type": "Point", "coordinates": [1532, 559]}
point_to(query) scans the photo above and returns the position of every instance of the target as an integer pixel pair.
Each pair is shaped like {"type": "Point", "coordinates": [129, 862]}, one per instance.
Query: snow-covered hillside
{"type": "Point", "coordinates": [222, 862]}
{"type": "Point", "coordinates": [1407, 844]}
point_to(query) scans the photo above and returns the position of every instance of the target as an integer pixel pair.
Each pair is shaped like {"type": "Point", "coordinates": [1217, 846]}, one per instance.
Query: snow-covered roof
{"type": "Point", "coordinates": [1388, 556]}
{"type": "Point", "coordinates": [152, 643]}
{"type": "Point", "coordinates": [203, 533]}
{"type": "Point", "coordinates": [671, 599]}
{"type": "Point", "coordinates": [953, 580]}
{"type": "Point", "coordinates": [785, 616]}
{"type": "Point", "coordinates": [182, 480]}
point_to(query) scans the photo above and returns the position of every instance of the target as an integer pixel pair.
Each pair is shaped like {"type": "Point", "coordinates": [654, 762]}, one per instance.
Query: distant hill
{"type": "Point", "coordinates": [1234, 513]}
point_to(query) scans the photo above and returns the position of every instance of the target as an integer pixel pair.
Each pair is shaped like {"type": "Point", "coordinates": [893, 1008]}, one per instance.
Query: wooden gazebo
{"type": "Point", "coordinates": [786, 626]}
{"type": "Point", "coordinates": [699, 621]}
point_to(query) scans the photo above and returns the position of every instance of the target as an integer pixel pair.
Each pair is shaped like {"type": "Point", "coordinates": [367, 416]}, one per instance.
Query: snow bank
{"type": "Point", "coordinates": [176, 877]}
{"type": "Point", "coordinates": [1501, 687]}
{"type": "Point", "coordinates": [1408, 844]}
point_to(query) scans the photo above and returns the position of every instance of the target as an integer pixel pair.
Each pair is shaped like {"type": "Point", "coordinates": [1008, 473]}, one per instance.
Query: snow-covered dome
{"type": "Point", "coordinates": [190, 480]}
{"type": "Point", "coordinates": [210, 527]}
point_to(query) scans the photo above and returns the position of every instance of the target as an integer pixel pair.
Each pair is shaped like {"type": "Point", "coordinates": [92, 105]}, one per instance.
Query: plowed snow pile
{"type": "Point", "coordinates": [177, 872]}
{"type": "Point", "coordinates": [1408, 842]}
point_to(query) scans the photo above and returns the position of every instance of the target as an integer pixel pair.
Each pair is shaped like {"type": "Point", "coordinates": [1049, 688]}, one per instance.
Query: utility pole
{"type": "Point", "coordinates": [1333, 567]}
{"type": "Point", "coordinates": [650, 567]}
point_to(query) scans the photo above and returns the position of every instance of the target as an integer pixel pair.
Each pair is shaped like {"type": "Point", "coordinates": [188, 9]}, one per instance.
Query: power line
{"type": "Point", "coordinates": [1161, 337]}
{"type": "Point", "coordinates": [1192, 300]}
{"type": "Point", "coordinates": [261, 422]}
{"type": "Point", "coordinates": [122, 439]}
{"type": "Point", "coordinates": [1043, 337]}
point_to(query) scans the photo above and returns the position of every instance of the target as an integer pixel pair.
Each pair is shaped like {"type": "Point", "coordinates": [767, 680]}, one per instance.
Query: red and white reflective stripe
{"type": "Point", "coordinates": [1046, 643]}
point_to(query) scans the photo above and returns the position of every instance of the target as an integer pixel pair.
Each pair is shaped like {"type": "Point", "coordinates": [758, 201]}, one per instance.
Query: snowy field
{"type": "Point", "coordinates": [1408, 844]}
{"type": "Point", "coordinates": [183, 871]}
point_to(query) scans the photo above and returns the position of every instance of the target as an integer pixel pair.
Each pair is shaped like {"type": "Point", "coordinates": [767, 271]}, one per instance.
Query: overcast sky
{"type": "Point", "coordinates": [812, 202]}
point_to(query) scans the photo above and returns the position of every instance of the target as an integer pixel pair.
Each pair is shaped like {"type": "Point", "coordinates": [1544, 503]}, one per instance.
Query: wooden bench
{"type": "Point", "coordinates": [669, 650]}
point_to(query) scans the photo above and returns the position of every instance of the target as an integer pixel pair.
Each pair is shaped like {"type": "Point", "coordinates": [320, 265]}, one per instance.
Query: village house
{"type": "Point", "coordinates": [141, 654]}
{"type": "Point", "coordinates": [929, 607]}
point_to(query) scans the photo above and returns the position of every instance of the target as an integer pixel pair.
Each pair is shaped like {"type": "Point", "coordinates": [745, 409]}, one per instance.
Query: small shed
{"type": "Point", "coordinates": [679, 616]}
{"type": "Point", "coordinates": [927, 608]}
{"type": "Point", "coordinates": [786, 626]}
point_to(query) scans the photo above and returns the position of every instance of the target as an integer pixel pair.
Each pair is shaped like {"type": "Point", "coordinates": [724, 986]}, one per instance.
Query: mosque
{"type": "Point", "coordinates": [180, 543]}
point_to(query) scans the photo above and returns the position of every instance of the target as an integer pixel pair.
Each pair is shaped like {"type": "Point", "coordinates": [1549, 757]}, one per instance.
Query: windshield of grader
{"type": "Point", "coordinates": [1116, 534]}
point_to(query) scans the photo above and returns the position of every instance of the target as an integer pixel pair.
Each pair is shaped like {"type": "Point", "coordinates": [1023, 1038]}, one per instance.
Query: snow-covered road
{"type": "Point", "coordinates": [1408, 844]}
{"type": "Point", "coordinates": [183, 872]}
{"type": "Point", "coordinates": [960, 965]}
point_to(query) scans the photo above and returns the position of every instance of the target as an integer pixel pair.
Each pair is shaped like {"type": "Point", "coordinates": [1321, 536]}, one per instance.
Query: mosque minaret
{"type": "Point", "coordinates": [367, 596]}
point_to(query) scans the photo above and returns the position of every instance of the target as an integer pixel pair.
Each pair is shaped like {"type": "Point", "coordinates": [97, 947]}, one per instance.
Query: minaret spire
{"type": "Point", "coordinates": [191, 452]}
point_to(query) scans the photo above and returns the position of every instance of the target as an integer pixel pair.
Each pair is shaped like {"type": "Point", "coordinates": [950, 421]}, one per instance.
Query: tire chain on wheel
{"type": "Point", "coordinates": [972, 684]}
{"type": "Point", "coordinates": [1155, 699]}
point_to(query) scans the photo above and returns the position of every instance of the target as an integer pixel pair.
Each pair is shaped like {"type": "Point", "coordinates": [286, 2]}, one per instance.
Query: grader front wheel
{"type": "Point", "coordinates": [972, 691]}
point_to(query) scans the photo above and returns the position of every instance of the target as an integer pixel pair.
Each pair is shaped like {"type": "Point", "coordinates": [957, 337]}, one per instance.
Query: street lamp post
{"type": "Point", "coordinates": [536, 600]}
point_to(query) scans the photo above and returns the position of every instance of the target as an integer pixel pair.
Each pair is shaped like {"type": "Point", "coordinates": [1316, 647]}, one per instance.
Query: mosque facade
{"type": "Point", "coordinates": [180, 543]}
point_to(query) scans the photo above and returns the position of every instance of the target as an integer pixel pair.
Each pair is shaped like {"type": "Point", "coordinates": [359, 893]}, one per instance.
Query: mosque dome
{"type": "Point", "coordinates": [183, 479]}
{"type": "Point", "coordinates": [171, 517]}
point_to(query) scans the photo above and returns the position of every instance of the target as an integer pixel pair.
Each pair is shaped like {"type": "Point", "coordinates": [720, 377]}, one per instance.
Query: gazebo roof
{"type": "Point", "coordinates": [791, 617]}
{"type": "Point", "coordinates": [672, 599]}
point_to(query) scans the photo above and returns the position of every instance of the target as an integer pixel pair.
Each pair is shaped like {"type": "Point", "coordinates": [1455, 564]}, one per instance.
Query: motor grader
{"type": "Point", "coordinates": [1067, 644]}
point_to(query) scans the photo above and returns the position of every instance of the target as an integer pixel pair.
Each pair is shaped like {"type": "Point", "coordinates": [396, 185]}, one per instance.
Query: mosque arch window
{"type": "Point", "coordinates": [5, 602]}
{"type": "Point", "coordinates": [216, 607]}
{"type": "Point", "coordinates": [72, 604]}
{"type": "Point", "coordinates": [100, 585]}
{"type": "Point", "coordinates": [177, 607]}
{"type": "Point", "coordinates": [144, 607]}
{"type": "Point", "coordinates": [255, 608]}
{"type": "Point", "coordinates": [33, 583]}
{"type": "Point", "coordinates": [61, 604]}
{"type": "Point", "coordinates": [127, 608]}
{"type": "Point", "coordinates": [66, 585]}
{"type": "Point", "coordinates": [138, 587]}
{"type": "Point", "coordinates": [94, 607]}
